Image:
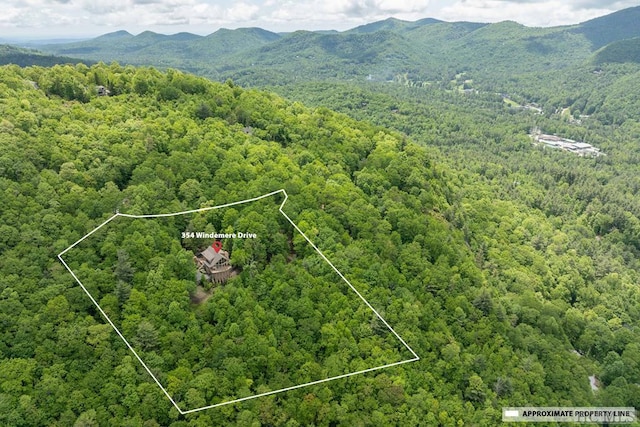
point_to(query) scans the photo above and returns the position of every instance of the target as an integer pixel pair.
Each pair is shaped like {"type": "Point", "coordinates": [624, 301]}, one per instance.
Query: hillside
{"type": "Point", "coordinates": [484, 139]}
{"type": "Point", "coordinates": [493, 296]}
{"type": "Point", "coordinates": [225, 42]}
{"type": "Point", "coordinates": [26, 57]}
{"type": "Point", "coordinates": [308, 55]}
{"type": "Point", "coordinates": [619, 25]}
{"type": "Point", "coordinates": [620, 51]}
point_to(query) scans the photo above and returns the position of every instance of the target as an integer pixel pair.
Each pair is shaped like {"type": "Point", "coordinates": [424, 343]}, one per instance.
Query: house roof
{"type": "Point", "coordinates": [212, 257]}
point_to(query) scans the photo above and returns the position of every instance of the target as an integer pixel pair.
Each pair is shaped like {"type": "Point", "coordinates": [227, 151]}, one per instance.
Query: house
{"type": "Point", "coordinates": [102, 91]}
{"type": "Point", "coordinates": [214, 263]}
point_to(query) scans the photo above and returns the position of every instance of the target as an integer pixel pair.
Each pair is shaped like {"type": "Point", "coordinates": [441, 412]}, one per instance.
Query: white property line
{"type": "Point", "coordinates": [286, 197]}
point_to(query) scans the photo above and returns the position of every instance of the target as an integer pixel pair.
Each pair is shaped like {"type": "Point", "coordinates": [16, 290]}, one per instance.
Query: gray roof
{"type": "Point", "coordinates": [212, 257]}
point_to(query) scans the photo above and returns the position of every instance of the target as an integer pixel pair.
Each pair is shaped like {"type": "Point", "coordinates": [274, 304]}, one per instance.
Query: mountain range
{"type": "Point", "coordinates": [427, 50]}
{"type": "Point", "coordinates": [492, 57]}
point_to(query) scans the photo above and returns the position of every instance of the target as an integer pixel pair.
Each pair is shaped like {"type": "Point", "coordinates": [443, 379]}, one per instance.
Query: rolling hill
{"type": "Point", "coordinates": [619, 25]}
{"type": "Point", "coordinates": [24, 57]}
{"type": "Point", "coordinates": [620, 51]}
{"type": "Point", "coordinates": [392, 24]}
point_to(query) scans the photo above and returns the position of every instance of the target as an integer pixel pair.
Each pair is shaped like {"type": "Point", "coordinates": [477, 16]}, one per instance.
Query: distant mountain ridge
{"type": "Point", "coordinates": [425, 50]}
{"type": "Point", "coordinates": [26, 57]}
{"type": "Point", "coordinates": [620, 25]}
{"type": "Point", "coordinates": [137, 49]}
{"type": "Point", "coordinates": [114, 35]}
{"type": "Point", "coordinates": [392, 24]}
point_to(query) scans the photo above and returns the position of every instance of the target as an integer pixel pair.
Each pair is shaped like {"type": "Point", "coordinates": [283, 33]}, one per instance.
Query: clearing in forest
{"type": "Point", "coordinates": [229, 303]}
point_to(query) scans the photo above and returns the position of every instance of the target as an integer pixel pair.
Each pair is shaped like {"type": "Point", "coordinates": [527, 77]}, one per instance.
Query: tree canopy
{"type": "Point", "coordinates": [494, 276]}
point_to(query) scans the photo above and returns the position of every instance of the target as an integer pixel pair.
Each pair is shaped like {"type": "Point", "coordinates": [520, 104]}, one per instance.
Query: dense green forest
{"type": "Point", "coordinates": [505, 185]}
{"type": "Point", "coordinates": [305, 325]}
{"type": "Point", "coordinates": [511, 271]}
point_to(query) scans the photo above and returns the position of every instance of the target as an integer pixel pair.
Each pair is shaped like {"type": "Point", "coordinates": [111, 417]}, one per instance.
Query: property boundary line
{"type": "Point", "coordinates": [280, 209]}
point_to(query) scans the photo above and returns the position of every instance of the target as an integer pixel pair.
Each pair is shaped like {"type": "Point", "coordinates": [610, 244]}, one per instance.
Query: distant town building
{"type": "Point", "coordinates": [213, 263]}
{"type": "Point", "coordinates": [554, 141]}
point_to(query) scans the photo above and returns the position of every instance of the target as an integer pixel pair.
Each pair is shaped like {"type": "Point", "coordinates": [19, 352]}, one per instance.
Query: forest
{"type": "Point", "coordinates": [511, 271]}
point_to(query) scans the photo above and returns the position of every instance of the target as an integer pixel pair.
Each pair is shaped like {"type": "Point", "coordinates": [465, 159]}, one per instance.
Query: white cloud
{"type": "Point", "coordinates": [343, 14]}
{"type": "Point", "coordinates": [604, 4]}
{"type": "Point", "coordinates": [102, 8]}
{"type": "Point", "coordinates": [241, 11]}
{"type": "Point", "coordinates": [532, 13]}
{"type": "Point", "coordinates": [366, 8]}
{"type": "Point", "coordinates": [17, 16]}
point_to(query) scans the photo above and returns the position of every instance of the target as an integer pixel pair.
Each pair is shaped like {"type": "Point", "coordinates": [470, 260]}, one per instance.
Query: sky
{"type": "Point", "coordinates": [46, 19]}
